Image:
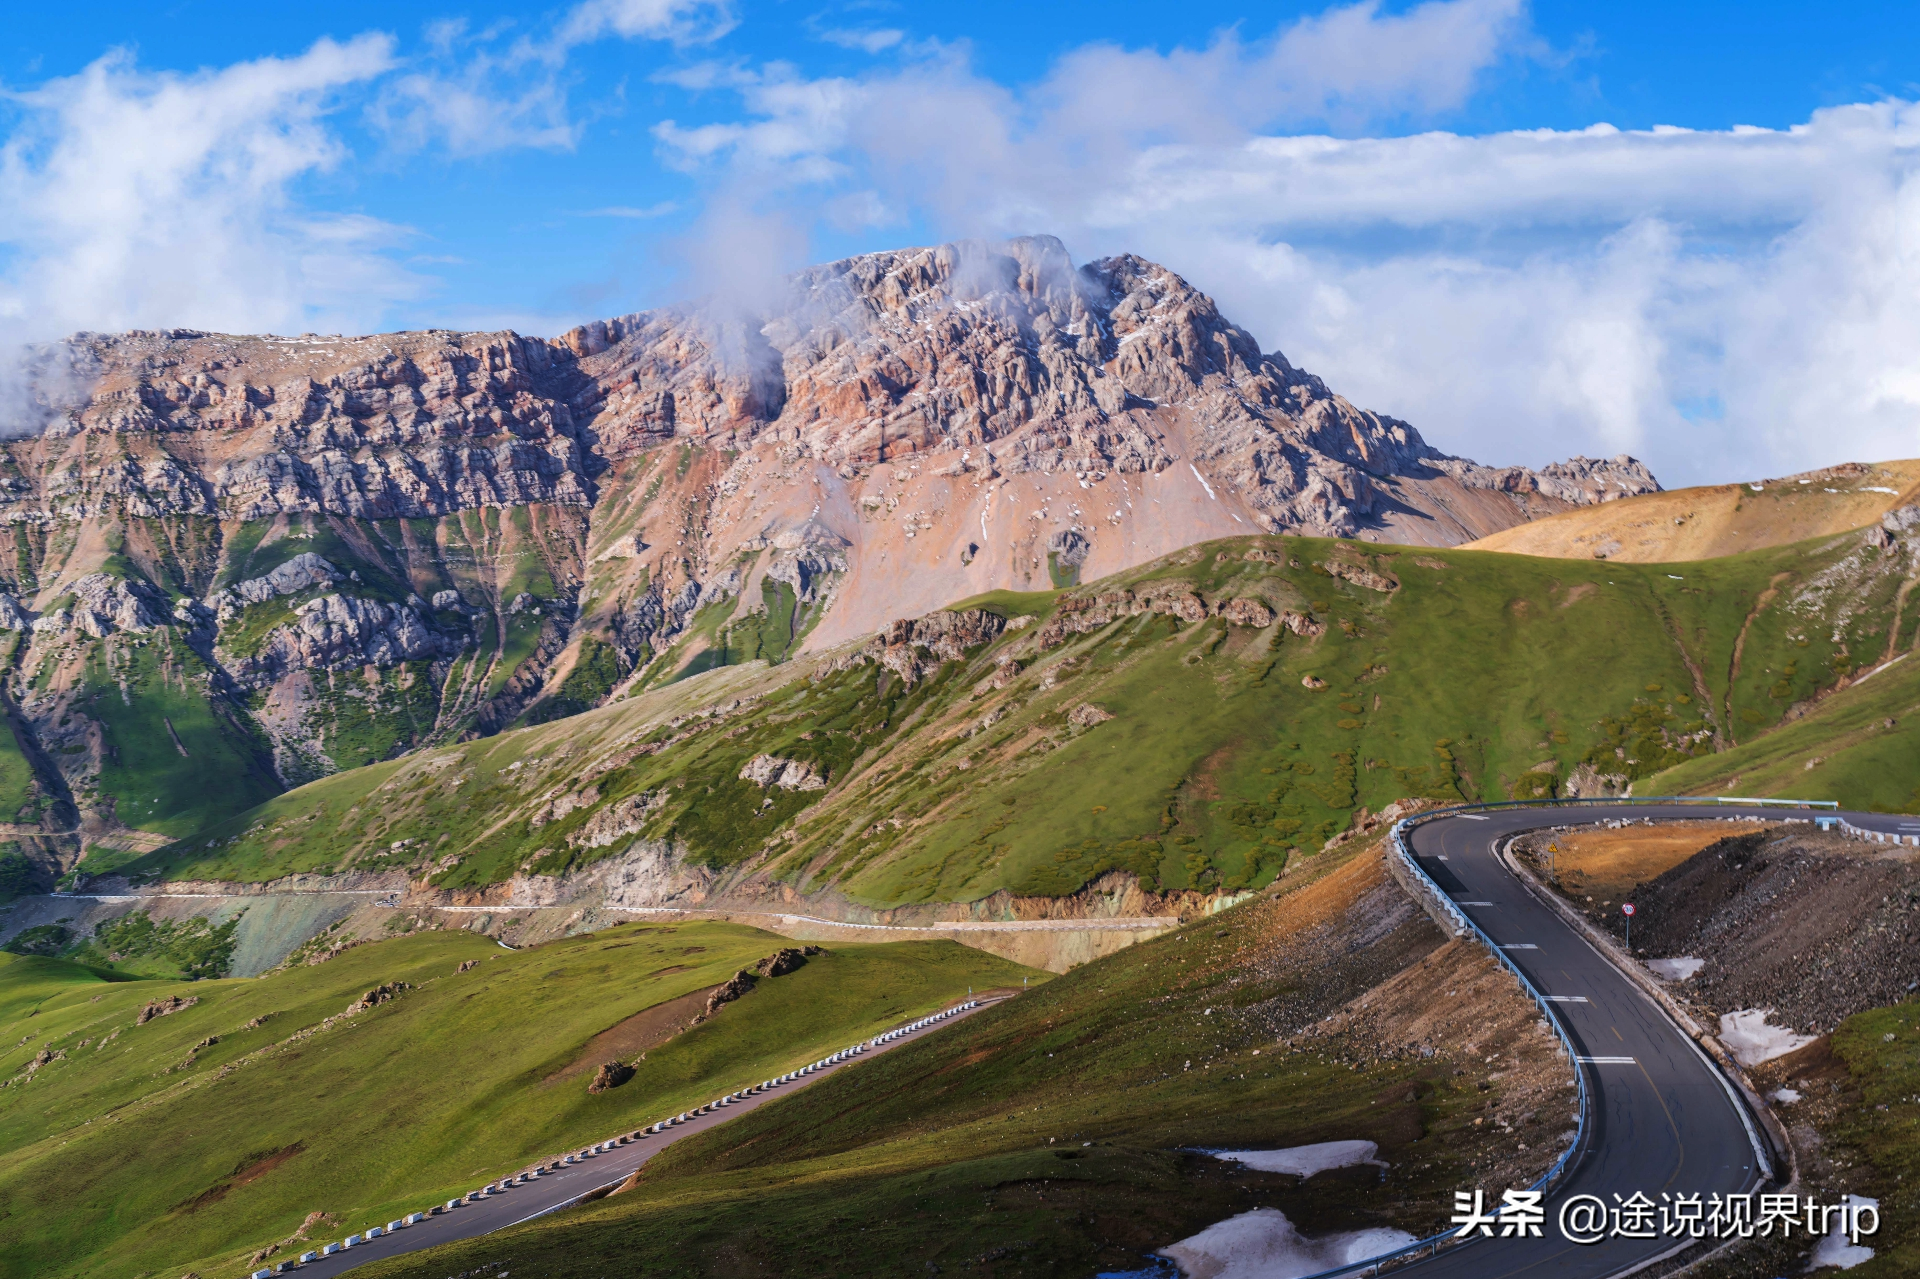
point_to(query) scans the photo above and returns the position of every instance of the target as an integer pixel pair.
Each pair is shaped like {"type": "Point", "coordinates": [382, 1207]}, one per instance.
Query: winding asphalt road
{"type": "Point", "coordinates": [593, 1172]}
{"type": "Point", "coordinates": [1662, 1118]}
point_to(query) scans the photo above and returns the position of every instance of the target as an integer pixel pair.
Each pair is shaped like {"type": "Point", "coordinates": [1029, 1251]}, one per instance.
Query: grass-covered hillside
{"type": "Point", "coordinates": [1860, 746]}
{"type": "Point", "coordinates": [247, 1117]}
{"type": "Point", "coordinates": [1064, 1132]}
{"type": "Point", "coordinates": [1717, 520]}
{"type": "Point", "coordinates": [1197, 753]}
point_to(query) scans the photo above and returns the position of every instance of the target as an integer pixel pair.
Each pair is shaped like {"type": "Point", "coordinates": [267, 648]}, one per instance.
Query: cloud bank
{"type": "Point", "coordinates": [1727, 303]}
{"type": "Point", "coordinates": [1722, 303]}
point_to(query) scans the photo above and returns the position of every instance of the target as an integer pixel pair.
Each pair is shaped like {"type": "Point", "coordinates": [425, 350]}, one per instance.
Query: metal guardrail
{"type": "Point", "coordinates": [1433, 1244]}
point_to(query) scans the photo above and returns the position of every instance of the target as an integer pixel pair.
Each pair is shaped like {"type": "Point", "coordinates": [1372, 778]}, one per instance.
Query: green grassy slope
{"type": "Point", "coordinates": [1058, 1133]}
{"type": "Point", "coordinates": [138, 1153]}
{"type": "Point", "coordinates": [166, 739]}
{"type": "Point", "coordinates": [1230, 749]}
{"type": "Point", "coordinates": [1860, 746]}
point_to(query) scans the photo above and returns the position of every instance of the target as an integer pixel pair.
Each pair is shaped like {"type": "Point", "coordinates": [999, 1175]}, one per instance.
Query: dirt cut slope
{"type": "Point", "coordinates": [1813, 926]}
{"type": "Point", "coordinates": [1720, 519]}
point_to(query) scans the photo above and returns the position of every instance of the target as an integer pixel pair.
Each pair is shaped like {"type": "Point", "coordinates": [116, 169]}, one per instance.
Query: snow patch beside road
{"type": "Point", "coordinates": [1675, 969]}
{"type": "Point", "coordinates": [1263, 1244]}
{"type": "Point", "coordinates": [1834, 1250]}
{"type": "Point", "coordinates": [1305, 1161]}
{"type": "Point", "coordinates": [1751, 1040]}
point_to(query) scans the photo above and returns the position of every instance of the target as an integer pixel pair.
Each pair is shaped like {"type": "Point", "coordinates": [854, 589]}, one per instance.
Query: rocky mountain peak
{"type": "Point", "coordinates": [357, 544]}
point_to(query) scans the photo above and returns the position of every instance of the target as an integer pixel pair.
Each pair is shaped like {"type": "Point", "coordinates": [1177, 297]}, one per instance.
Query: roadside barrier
{"type": "Point", "coordinates": [1871, 836]}
{"type": "Point", "coordinates": [611, 1143]}
{"type": "Point", "coordinates": [1463, 926]}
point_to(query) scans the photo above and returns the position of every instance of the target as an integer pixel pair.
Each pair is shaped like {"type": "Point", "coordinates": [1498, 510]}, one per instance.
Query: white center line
{"type": "Point", "coordinates": [1520, 945]}
{"type": "Point", "coordinates": [1565, 999]}
{"type": "Point", "coordinates": [1476, 903]}
{"type": "Point", "coordinates": [1609, 1061]}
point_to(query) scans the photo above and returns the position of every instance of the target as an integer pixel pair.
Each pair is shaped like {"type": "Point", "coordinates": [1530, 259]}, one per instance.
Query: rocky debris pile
{"type": "Point", "coordinates": [1086, 715]}
{"type": "Point", "coordinates": [164, 1008]}
{"type": "Point", "coordinates": [786, 960]}
{"type": "Point", "coordinates": [466, 965]}
{"type": "Point", "coordinates": [1789, 919]}
{"type": "Point", "coordinates": [610, 1075]}
{"type": "Point", "coordinates": [787, 774]}
{"type": "Point", "coordinates": [381, 994]}
{"type": "Point", "coordinates": [13, 615]}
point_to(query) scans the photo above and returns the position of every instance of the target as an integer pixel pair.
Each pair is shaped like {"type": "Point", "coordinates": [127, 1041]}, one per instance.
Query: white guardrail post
{"type": "Point", "coordinates": [501, 1187]}
{"type": "Point", "coordinates": [1396, 838]}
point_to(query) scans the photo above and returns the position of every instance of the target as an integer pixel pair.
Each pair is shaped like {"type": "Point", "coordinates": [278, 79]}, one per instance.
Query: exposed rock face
{"type": "Point", "coordinates": [1084, 614]}
{"type": "Point", "coordinates": [914, 648]}
{"type": "Point", "coordinates": [442, 532]}
{"type": "Point", "coordinates": [297, 574]}
{"type": "Point", "coordinates": [617, 821]}
{"type": "Point", "coordinates": [105, 604]}
{"type": "Point", "coordinates": [1086, 715]}
{"type": "Point", "coordinates": [788, 774]}
{"type": "Point", "coordinates": [340, 632]}
{"type": "Point", "coordinates": [164, 1008]}
{"type": "Point", "coordinates": [737, 985]}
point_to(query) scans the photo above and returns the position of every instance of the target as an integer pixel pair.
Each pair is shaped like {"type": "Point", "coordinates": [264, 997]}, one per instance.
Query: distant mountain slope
{"type": "Point", "coordinates": [1194, 724]}
{"type": "Point", "coordinates": [260, 560]}
{"type": "Point", "coordinates": [1860, 746]}
{"type": "Point", "coordinates": [1721, 519]}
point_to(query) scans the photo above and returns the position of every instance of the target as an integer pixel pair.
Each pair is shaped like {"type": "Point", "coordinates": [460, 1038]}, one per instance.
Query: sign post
{"type": "Point", "coordinates": [1626, 909]}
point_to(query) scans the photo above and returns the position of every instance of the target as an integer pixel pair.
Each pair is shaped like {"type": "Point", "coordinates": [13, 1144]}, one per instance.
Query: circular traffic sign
{"type": "Point", "coordinates": [1626, 908]}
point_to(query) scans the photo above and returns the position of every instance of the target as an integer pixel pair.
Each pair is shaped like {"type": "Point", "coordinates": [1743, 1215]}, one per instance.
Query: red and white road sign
{"type": "Point", "coordinates": [1626, 908]}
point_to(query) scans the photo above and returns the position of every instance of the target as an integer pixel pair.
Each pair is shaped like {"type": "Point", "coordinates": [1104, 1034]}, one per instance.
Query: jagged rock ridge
{"type": "Point", "coordinates": [351, 546]}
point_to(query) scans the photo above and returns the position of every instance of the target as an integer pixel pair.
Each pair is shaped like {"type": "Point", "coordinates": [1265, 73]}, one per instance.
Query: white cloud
{"type": "Point", "coordinates": [681, 22]}
{"type": "Point", "coordinates": [1723, 303]}
{"type": "Point", "coordinates": [134, 199]}
{"type": "Point", "coordinates": [659, 210]}
{"type": "Point", "coordinates": [873, 41]}
{"type": "Point", "coordinates": [475, 108]}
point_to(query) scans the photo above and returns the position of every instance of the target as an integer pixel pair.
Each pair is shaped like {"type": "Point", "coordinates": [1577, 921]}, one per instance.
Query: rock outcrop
{"type": "Point", "coordinates": [386, 992]}
{"type": "Point", "coordinates": [164, 1007]}
{"type": "Point", "coordinates": [365, 544]}
{"type": "Point", "coordinates": [786, 960]}
{"type": "Point", "coordinates": [610, 1075]}
{"type": "Point", "coordinates": [734, 987]}
{"type": "Point", "coordinates": [787, 774]}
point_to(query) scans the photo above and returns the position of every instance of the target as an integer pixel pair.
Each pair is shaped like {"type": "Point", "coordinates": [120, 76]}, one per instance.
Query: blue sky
{"type": "Point", "coordinates": [1531, 230]}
